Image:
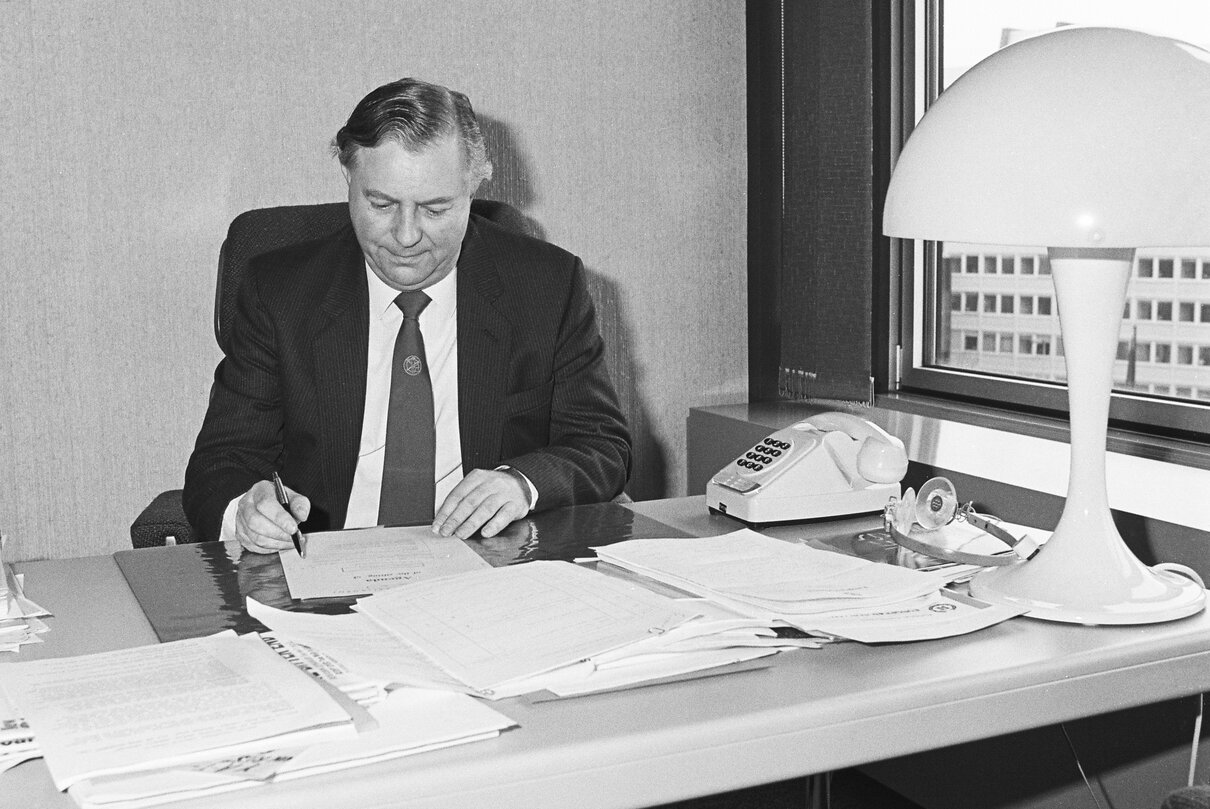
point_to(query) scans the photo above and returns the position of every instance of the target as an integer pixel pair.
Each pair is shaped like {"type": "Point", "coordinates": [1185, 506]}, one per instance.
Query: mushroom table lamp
{"type": "Point", "coordinates": [1092, 142]}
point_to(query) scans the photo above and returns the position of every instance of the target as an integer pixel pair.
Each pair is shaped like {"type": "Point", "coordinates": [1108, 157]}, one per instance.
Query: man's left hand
{"type": "Point", "coordinates": [484, 501]}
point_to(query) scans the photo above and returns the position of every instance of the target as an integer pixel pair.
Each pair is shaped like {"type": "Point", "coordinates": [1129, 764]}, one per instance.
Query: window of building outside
{"type": "Point", "coordinates": [1003, 294]}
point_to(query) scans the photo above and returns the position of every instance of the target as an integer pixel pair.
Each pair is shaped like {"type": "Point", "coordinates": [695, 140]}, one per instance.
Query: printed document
{"type": "Point", "coordinates": [760, 575]}
{"type": "Point", "coordinates": [154, 706]}
{"type": "Point", "coordinates": [497, 629]}
{"type": "Point", "coordinates": [360, 645]}
{"type": "Point", "coordinates": [364, 561]}
{"type": "Point", "coordinates": [943, 614]}
{"type": "Point", "coordinates": [409, 721]}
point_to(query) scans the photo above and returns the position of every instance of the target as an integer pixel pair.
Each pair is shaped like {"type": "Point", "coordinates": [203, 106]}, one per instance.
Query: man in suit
{"type": "Point", "coordinates": [521, 414]}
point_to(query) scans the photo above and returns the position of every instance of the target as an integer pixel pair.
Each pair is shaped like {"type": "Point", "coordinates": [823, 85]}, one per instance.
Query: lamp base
{"type": "Point", "coordinates": [1131, 593]}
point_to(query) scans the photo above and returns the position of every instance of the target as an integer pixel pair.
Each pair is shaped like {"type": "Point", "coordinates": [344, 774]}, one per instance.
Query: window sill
{"type": "Point", "coordinates": [1156, 478]}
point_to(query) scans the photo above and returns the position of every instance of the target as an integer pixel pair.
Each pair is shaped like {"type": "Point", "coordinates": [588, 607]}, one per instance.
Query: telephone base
{"type": "Point", "coordinates": [765, 510]}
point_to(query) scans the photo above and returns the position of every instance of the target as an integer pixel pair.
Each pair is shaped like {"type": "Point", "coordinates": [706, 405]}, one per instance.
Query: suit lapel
{"type": "Point", "coordinates": [339, 346]}
{"type": "Point", "coordinates": [484, 337]}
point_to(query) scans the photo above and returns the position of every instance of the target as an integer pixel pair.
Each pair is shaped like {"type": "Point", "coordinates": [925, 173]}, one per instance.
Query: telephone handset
{"type": "Point", "coordinates": [826, 465]}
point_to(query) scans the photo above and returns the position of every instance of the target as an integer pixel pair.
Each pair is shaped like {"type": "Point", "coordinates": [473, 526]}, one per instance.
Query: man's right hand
{"type": "Point", "coordinates": [262, 525]}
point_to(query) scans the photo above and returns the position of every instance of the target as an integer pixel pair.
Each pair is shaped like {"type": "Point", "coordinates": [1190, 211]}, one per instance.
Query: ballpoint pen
{"type": "Point", "coordinates": [299, 543]}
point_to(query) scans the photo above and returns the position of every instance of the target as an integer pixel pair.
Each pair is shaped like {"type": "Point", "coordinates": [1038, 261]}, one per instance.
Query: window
{"type": "Point", "coordinates": [1168, 285]}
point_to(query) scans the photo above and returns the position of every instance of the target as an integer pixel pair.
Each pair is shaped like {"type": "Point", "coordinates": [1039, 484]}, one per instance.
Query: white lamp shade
{"type": "Point", "coordinates": [1080, 137]}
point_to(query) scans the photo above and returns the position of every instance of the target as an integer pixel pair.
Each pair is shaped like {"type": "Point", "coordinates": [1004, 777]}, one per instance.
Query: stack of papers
{"type": "Point", "coordinates": [20, 619]}
{"type": "Point", "coordinates": [756, 574]}
{"type": "Point", "coordinates": [143, 726]}
{"type": "Point", "coordinates": [817, 591]}
{"type": "Point", "coordinates": [541, 626]}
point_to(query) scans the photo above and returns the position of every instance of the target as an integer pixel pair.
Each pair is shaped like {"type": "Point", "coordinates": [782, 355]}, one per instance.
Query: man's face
{"type": "Point", "coordinates": [410, 210]}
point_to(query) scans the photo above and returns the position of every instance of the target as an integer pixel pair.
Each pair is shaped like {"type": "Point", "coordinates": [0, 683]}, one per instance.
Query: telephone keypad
{"type": "Point", "coordinates": [764, 454]}
{"type": "Point", "coordinates": [760, 457]}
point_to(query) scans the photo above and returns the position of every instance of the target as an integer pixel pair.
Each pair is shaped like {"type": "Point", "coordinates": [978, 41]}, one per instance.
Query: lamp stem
{"type": "Point", "coordinates": [1090, 291]}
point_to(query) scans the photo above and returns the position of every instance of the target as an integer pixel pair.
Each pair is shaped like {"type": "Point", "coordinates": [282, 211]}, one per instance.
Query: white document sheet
{"type": "Point", "coordinates": [359, 644]}
{"type": "Point", "coordinates": [938, 615]}
{"type": "Point", "coordinates": [410, 721]}
{"type": "Point", "coordinates": [154, 705]}
{"type": "Point", "coordinates": [750, 571]}
{"type": "Point", "coordinates": [364, 561]}
{"type": "Point", "coordinates": [491, 627]}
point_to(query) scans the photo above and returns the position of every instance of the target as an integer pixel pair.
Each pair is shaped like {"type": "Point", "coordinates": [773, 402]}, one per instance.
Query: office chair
{"type": "Point", "coordinates": [250, 234]}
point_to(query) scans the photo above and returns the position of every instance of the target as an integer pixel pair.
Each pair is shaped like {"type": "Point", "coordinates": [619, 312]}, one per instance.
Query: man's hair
{"type": "Point", "coordinates": [416, 114]}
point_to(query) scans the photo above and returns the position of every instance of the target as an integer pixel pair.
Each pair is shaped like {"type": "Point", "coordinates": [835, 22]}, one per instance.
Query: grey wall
{"type": "Point", "coordinates": [134, 130]}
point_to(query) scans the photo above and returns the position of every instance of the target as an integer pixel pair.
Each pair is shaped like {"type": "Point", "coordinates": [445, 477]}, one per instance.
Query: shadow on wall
{"type": "Point", "coordinates": [510, 183]}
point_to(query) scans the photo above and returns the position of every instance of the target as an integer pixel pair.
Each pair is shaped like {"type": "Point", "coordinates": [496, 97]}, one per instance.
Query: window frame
{"type": "Point", "coordinates": [924, 291]}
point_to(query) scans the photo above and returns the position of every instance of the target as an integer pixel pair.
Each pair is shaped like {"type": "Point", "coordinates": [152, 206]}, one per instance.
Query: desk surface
{"type": "Point", "coordinates": [811, 711]}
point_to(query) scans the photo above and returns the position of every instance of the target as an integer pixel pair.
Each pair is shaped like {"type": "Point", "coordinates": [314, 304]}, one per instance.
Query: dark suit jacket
{"type": "Point", "coordinates": [533, 390]}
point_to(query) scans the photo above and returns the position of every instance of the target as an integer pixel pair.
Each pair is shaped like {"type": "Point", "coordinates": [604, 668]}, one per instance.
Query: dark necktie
{"type": "Point", "coordinates": [407, 468]}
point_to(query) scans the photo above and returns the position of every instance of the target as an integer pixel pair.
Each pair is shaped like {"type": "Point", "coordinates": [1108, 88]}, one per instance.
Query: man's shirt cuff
{"type": "Point", "coordinates": [529, 486]}
{"type": "Point", "coordinates": [228, 531]}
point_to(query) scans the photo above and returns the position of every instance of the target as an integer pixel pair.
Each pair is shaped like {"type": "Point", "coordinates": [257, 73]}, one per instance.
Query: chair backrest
{"type": "Point", "coordinates": [261, 230]}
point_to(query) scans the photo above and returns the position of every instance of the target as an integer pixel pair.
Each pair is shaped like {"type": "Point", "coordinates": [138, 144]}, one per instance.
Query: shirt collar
{"type": "Point", "coordinates": [382, 297]}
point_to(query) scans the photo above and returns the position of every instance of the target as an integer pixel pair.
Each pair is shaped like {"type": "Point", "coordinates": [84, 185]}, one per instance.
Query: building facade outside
{"type": "Point", "coordinates": [1002, 318]}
